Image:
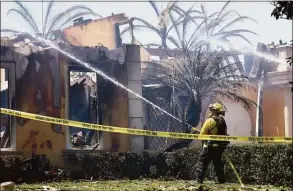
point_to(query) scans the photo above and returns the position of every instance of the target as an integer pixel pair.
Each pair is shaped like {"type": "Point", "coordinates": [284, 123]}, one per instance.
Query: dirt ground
{"type": "Point", "coordinates": [147, 185]}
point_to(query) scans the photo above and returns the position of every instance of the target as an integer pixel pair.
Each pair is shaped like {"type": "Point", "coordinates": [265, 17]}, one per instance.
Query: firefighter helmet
{"type": "Point", "coordinates": [216, 107]}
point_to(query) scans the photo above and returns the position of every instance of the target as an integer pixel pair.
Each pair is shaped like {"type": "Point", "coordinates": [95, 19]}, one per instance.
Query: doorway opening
{"type": "Point", "coordinates": [84, 107]}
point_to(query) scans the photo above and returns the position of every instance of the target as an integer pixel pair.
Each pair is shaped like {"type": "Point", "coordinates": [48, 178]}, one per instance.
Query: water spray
{"type": "Point", "coordinates": [234, 169]}
{"type": "Point", "coordinates": [228, 46]}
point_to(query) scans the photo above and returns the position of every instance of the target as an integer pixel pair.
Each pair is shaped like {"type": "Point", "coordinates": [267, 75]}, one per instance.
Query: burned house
{"type": "Point", "coordinates": [40, 79]}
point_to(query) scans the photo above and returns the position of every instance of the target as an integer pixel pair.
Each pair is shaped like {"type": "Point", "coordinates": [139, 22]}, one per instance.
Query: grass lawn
{"type": "Point", "coordinates": [147, 185]}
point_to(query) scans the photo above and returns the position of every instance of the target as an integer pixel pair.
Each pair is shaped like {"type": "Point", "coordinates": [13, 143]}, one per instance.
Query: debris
{"type": "Point", "coordinates": [49, 188]}
{"type": "Point", "coordinates": [7, 186]}
{"type": "Point", "coordinates": [78, 140]}
{"type": "Point", "coordinates": [54, 174]}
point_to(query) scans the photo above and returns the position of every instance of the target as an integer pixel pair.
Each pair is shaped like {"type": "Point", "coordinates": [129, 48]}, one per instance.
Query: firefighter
{"type": "Point", "coordinates": [213, 150]}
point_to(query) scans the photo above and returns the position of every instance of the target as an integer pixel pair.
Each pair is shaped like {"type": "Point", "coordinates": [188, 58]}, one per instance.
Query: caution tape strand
{"type": "Point", "coordinates": [141, 132]}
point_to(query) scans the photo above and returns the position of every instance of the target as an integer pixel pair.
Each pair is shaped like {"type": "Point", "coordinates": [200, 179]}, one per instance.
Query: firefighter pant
{"type": "Point", "coordinates": [207, 155]}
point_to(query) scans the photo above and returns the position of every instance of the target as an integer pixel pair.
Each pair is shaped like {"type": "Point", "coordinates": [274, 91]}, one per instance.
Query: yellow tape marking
{"type": "Point", "coordinates": [131, 131]}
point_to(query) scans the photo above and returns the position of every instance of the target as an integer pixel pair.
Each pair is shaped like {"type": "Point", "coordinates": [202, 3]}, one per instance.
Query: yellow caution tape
{"type": "Point", "coordinates": [131, 131]}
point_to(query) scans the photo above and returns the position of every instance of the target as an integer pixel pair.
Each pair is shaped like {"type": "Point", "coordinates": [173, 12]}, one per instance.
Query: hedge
{"type": "Point", "coordinates": [256, 163]}
{"type": "Point", "coordinates": [18, 169]}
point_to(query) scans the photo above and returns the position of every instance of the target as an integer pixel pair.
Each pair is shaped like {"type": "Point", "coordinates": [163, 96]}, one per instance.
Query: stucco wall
{"type": "Point", "coordinates": [117, 113]}
{"type": "Point", "coordinates": [273, 116]}
{"type": "Point", "coordinates": [252, 95]}
{"type": "Point", "coordinates": [273, 107]}
{"type": "Point", "coordinates": [38, 90]}
{"type": "Point", "coordinates": [101, 31]}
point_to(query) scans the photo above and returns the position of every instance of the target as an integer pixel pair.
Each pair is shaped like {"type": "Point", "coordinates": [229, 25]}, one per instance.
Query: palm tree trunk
{"type": "Point", "coordinates": [193, 111]}
{"type": "Point", "coordinates": [164, 46]}
{"type": "Point", "coordinates": [164, 42]}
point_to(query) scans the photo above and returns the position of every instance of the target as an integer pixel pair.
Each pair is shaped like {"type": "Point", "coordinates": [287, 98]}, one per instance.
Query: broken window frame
{"type": "Point", "coordinates": [10, 66]}
{"type": "Point", "coordinates": [69, 146]}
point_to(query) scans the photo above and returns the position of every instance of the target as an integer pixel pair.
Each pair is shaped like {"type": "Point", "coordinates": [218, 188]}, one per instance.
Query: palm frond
{"type": "Point", "coordinates": [171, 5]}
{"type": "Point", "coordinates": [236, 31]}
{"type": "Point", "coordinates": [174, 42]}
{"type": "Point", "coordinates": [79, 14]}
{"type": "Point", "coordinates": [188, 14]}
{"type": "Point", "coordinates": [180, 21]}
{"type": "Point", "coordinates": [69, 20]}
{"type": "Point", "coordinates": [184, 32]}
{"type": "Point", "coordinates": [205, 18]}
{"type": "Point", "coordinates": [195, 11]}
{"type": "Point", "coordinates": [9, 30]}
{"type": "Point", "coordinates": [176, 28]}
{"type": "Point", "coordinates": [247, 103]}
{"type": "Point", "coordinates": [235, 21]}
{"type": "Point", "coordinates": [48, 11]}
{"type": "Point", "coordinates": [217, 22]}
{"type": "Point", "coordinates": [29, 15]}
{"type": "Point", "coordinates": [185, 19]}
{"type": "Point", "coordinates": [135, 28]}
{"type": "Point", "coordinates": [223, 9]}
{"type": "Point", "coordinates": [155, 7]}
{"type": "Point", "coordinates": [236, 35]}
{"type": "Point", "coordinates": [193, 38]}
{"type": "Point", "coordinates": [127, 29]}
{"type": "Point", "coordinates": [25, 17]}
{"type": "Point", "coordinates": [67, 12]}
{"type": "Point", "coordinates": [146, 23]}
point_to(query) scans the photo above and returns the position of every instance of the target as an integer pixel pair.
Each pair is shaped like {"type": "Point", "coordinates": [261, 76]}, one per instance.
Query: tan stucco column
{"type": "Point", "coordinates": [135, 113]}
{"type": "Point", "coordinates": [288, 112]}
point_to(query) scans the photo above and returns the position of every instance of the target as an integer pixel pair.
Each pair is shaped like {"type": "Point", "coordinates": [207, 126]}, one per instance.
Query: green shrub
{"type": "Point", "coordinates": [18, 169]}
{"type": "Point", "coordinates": [256, 164]}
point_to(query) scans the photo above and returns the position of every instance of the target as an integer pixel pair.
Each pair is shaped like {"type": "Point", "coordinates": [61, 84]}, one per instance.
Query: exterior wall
{"type": "Point", "coordinates": [126, 109]}
{"type": "Point", "coordinates": [252, 95]}
{"type": "Point", "coordinates": [237, 119]}
{"type": "Point", "coordinates": [117, 113]}
{"type": "Point", "coordinates": [278, 97]}
{"type": "Point", "coordinates": [288, 111]}
{"type": "Point", "coordinates": [101, 31]}
{"type": "Point", "coordinates": [38, 90]}
{"type": "Point", "coordinates": [41, 81]}
{"type": "Point", "coordinates": [273, 108]}
{"type": "Point", "coordinates": [240, 122]}
{"type": "Point", "coordinates": [273, 116]}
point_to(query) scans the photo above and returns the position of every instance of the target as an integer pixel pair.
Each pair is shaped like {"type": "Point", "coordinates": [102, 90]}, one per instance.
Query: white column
{"type": "Point", "coordinates": [288, 112]}
{"type": "Point", "coordinates": [2, 75]}
{"type": "Point", "coordinates": [135, 113]}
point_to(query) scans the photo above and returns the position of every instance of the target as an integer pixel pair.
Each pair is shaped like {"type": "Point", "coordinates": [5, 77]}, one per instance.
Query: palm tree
{"type": "Point", "coordinates": [50, 22]}
{"type": "Point", "coordinates": [164, 26]}
{"type": "Point", "coordinates": [215, 26]}
{"type": "Point", "coordinates": [199, 75]}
